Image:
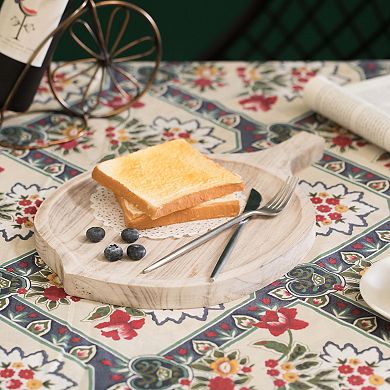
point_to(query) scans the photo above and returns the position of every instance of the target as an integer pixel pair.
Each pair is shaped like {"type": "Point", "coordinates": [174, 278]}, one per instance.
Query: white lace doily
{"type": "Point", "coordinates": [106, 209]}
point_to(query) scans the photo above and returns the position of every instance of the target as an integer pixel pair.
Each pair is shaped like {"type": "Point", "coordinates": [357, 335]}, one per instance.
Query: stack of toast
{"type": "Point", "coordinates": [169, 183]}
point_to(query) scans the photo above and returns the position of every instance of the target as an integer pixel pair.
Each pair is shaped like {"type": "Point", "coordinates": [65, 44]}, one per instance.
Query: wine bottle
{"type": "Point", "coordinates": [23, 26]}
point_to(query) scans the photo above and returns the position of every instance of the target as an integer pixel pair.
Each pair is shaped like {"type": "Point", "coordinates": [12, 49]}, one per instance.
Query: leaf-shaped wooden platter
{"type": "Point", "coordinates": [267, 247]}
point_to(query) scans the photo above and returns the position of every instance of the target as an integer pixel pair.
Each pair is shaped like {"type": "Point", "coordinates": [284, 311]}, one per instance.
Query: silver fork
{"type": "Point", "coordinates": [271, 209]}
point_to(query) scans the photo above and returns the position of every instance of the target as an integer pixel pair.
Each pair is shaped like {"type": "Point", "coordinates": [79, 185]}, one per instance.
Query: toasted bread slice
{"type": "Point", "coordinates": [166, 178]}
{"type": "Point", "coordinates": [227, 206]}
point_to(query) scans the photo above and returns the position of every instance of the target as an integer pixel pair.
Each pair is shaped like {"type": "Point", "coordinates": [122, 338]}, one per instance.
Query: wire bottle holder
{"type": "Point", "coordinates": [103, 71]}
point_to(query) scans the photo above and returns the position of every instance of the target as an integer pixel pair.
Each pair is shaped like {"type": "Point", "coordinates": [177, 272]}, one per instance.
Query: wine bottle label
{"type": "Point", "coordinates": [25, 23]}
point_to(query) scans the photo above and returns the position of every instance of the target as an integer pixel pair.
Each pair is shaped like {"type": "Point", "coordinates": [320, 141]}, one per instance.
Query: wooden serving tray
{"type": "Point", "coordinates": [266, 249]}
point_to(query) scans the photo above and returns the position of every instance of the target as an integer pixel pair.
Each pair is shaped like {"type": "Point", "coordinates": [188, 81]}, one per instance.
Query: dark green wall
{"type": "Point", "coordinates": [189, 28]}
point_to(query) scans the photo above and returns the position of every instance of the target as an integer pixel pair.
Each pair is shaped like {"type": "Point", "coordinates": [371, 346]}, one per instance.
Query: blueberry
{"type": "Point", "coordinates": [130, 235]}
{"type": "Point", "coordinates": [136, 252]}
{"type": "Point", "coordinates": [95, 234]}
{"type": "Point", "coordinates": [113, 252]}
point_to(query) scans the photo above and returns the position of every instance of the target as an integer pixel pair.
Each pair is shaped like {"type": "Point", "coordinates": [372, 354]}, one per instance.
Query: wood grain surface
{"type": "Point", "coordinates": [267, 248]}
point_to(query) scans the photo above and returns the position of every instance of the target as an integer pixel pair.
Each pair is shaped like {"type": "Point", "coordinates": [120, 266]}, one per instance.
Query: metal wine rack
{"type": "Point", "coordinates": [104, 71]}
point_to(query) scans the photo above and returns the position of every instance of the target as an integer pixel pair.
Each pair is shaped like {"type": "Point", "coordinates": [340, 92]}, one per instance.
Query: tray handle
{"type": "Point", "coordinates": [290, 157]}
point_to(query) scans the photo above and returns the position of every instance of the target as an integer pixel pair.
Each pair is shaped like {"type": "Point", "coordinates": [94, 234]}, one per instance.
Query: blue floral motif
{"type": "Point", "coordinates": [310, 280]}
{"type": "Point", "coordinates": [10, 283]}
{"type": "Point", "coordinates": [154, 372]}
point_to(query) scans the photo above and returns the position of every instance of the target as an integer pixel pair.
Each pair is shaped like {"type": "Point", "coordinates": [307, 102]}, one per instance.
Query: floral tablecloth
{"type": "Point", "coordinates": [310, 329]}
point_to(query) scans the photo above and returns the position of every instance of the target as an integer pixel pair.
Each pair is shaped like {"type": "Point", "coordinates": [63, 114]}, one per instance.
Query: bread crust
{"type": "Point", "coordinates": [221, 209]}
{"type": "Point", "coordinates": [182, 203]}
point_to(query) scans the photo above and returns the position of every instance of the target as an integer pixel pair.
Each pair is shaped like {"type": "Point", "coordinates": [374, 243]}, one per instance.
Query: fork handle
{"type": "Point", "coordinates": [199, 241]}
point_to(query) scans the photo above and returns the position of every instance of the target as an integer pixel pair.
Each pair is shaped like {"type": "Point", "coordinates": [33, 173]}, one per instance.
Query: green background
{"type": "Point", "coordinates": [190, 29]}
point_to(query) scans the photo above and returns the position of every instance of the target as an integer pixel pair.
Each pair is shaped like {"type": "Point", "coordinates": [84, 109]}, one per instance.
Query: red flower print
{"type": "Point", "coordinates": [137, 104]}
{"type": "Point", "coordinates": [121, 326]}
{"type": "Point", "coordinates": [19, 308]}
{"type": "Point", "coordinates": [168, 134]}
{"type": "Point", "coordinates": [14, 384]}
{"type": "Point", "coordinates": [345, 369]}
{"type": "Point", "coordinates": [210, 334]}
{"type": "Point", "coordinates": [253, 308]}
{"type": "Point", "coordinates": [54, 293]}
{"type": "Point", "coordinates": [357, 246]}
{"type": "Point", "coordinates": [323, 208]}
{"type": "Point", "coordinates": [225, 326]}
{"type": "Point", "coordinates": [69, 145]}
{"type": "Point", "coordinates": [266, 301]}
{"type": "Point", "coordinates": [316, 200]}
{"type": "Point", "coordinates": [342, 141]}
{"type": "Point", "coordinates": [273, 372]}
{"type": "Point", "coordinates": [219, 383]}
{"type": "Point", "coordinates": [116, 377]}
{"type": "Point", "coordinates": [115, 102]}
{"type": "Point", "coordinates": [185, 382]}
{"type": "Point", "coordinates": [62, 330]}
{"type": "Point", "coordinates": [26, 374]}
{"type": "Point", "coordinates": [21, 220]}
{"type": "Point", "coordinates": [30, 210]}
{"type": "Point", "coordinates": [277, 322]}
{"type": "Point", "coordinates": [333, 201]}
{"type": "Point", "coordinates": [203, 83]}
{"type": "Point", "coordinates": [355, 312]}
{"type": "Point", "coordinates": [184, 135]}
{"type": "Point", "coordinates": [182, 351]}
{"type": "Point", "coordinates": [21, 290]}
{"type": "Point", "coordinates": [338, 287]}
{"type": "Point", "coordinates": [75, 339]}
{"type": "Point", "coordinates": [106, 362]}
{"type": "Point", "coordinates": [279, 383]}
{"type": "Point", "coordinates": [1, 169]}
{"type": "Point", "coordinates": [365, 370]}
{"type": "Point", "coordinates": [38, 202]}
{"type": "Point", "coordinates": [25, 202]}
{"type": "Point", "coordinates": [320, 218]}
{"type": "Point", "coordinates": [331, 260]}
{"type": "Point", "coordinates": [246, 369]}
{"type": "Point", "coordinates": [23, 264]}
{"type": "Point", "coordinates": [75, 299]}
{"type": "Point", "coordinates": [335, 216]}
{"type": "Point", "coordinates": [258, 102]}
{"type": "Point", "coordinates": [271, 363]}
{"type": "Point", "coordinates": [7, 373]}
{"type": "Point", "coordinates": [341, 305]}
{"type": "Point", "coordinates": [355, 380]}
